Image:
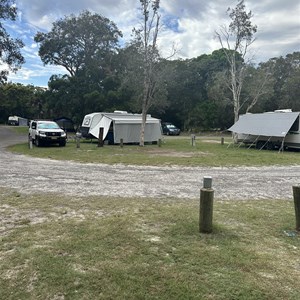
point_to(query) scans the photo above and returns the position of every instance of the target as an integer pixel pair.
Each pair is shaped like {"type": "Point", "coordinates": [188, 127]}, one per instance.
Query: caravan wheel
{"type": "Point", "coordinates": [260, 145]}
{"type": "Point", "coordinates": [270, 146]}
{"type": "Point", "coordinates": [37, 142]}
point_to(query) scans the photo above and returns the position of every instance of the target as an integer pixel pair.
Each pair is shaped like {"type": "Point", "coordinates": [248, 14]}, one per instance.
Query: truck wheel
{"type": "Point", "coordinates": [37, 142]}
{"type": "Point", "coordinates": [260, 145]}
{"type": "Point", "coordinates": [270, 146]}
{"type": "Point", "coordinates": [62, 144]}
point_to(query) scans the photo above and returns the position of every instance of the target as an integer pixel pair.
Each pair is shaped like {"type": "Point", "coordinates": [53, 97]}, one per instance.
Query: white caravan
{"type": "Point", "coordinates": [120, 125]}
{"type": "Point", "coordinates": [269, 130]}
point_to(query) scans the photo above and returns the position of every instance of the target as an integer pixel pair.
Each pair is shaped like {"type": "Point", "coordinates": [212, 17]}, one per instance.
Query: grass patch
{"type": "Point", "coordinates": [174, 151]}
{"type": "Point", "coordinates": [20, 129]}
{"type": "Point", "coordinates": [55, 247]}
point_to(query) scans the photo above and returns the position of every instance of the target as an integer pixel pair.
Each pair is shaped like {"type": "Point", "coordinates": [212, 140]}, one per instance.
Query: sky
{"type": "Point", "coordinates": [188, 25]}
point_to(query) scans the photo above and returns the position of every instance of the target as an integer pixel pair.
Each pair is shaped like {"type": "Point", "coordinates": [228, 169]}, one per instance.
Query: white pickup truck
{"type": "Point", "coordinates": [46, 132]}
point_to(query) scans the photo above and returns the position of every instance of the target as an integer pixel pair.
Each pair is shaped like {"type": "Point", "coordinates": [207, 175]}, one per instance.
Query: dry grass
{"type": "Point", "coordinates": [55, 247]}
{"type": "Point", "coordinates": [174, 151]}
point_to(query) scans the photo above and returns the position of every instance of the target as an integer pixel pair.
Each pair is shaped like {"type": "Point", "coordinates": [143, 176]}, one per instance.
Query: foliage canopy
{"type": "Point", "coordinates": [78, 43]}
{"type": "Point", "coordinates": [10, 55]}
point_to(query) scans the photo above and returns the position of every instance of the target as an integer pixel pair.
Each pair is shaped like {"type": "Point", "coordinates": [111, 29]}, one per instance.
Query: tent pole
{"type": "Point", "coordinates": [282, 146]}
{"type": "Point", "coordinates": [229, 145]}
{"type": "Point", "coordinates": [254, 142]}
{"type": "Point", "coordinates": [266, 142]}
{"type": "Point", "coordinates": [243, 141]}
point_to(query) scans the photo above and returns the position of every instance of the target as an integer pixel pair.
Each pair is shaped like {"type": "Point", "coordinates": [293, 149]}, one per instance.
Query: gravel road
{"type": "Point", "coordinates": [28, 175]}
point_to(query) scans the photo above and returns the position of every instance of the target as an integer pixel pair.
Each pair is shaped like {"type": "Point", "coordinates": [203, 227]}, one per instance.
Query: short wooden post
{"type": "Point", "coordinates": [121, 143]}
{"type": "Point", "coordinates": [30, 145]}
{"type": "Point", "coordinates": [159, 143]}
{"type": "Point", "coordinates": [296, 193]}
{"type": "Point", "coordinates": [193, 137]}
{"type": "Point", "coordinates": [77, 139]}
{"type": "Point", "coordinates": [206, 206]}
{"type": "Point", "coordinates": [100, 138]}
{"type": "Point", "coordinates": [222, 141]}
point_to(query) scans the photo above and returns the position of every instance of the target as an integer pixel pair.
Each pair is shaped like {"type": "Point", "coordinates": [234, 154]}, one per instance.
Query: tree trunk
{"type": "Point", "coordinates": [143, 126]}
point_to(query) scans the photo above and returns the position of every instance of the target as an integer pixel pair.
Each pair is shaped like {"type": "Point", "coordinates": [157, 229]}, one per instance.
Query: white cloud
{"type": "Point", "coordinates": [190, 24]}
{"type": "Point", "coordinates": [36, 74]}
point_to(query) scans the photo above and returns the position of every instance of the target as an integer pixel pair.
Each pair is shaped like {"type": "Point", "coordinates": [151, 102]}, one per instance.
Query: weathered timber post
{"type": "Point", "coordinates": [193, 137]}
{"type": "Point", "coordinates": [30, 145]}
{"type": "Point", "coordinates": [121, 143]}
{"type": "Point", "coordinates": [159, 143]}
{"type": "Point", "coordinates": [296, 193]}
{"type": "Point", "coordinates": [100, 138]}
{"type": "Point", "coordinates": [206, 206]}
{"type": "Point", "coordinates": [77, 138]}
{"type": "Point", "coordinates": [222, 141]}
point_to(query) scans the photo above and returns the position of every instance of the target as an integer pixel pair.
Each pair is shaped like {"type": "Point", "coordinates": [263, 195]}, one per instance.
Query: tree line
{"type": "Point", "coordinates": [195, 94]}
{"type": "Point", "coordinates": [196, 97]}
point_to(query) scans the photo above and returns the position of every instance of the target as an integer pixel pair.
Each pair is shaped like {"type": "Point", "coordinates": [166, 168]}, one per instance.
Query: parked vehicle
{"type": "Point", "coordinates": [17, 121]}
{"type": "Point", "coordinates": [120, 125]}
{"type": "Point", "coordinates": [170, 129]}
{"type": "Point", "coordinates": [46, 132]}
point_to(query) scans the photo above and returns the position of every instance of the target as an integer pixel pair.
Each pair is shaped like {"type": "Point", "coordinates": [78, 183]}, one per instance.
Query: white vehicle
{"type": "Point", "coordinates": [46, 132]}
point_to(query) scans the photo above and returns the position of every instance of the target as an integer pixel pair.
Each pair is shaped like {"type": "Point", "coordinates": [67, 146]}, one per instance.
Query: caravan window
{"type": "Point", "coordinates": [87, 121]}
{"type": "Point", "coordinates": [295, 126]}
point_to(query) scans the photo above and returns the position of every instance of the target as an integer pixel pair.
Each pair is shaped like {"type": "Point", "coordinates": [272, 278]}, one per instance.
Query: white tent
{"type": "Point", "coordinates": [123, 125]}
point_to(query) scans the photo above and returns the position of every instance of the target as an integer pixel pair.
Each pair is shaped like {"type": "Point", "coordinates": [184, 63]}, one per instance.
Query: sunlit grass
{"type": "Point", "coordinates": [206, 152]}
{"type": "Point", "coordinates": [20, 129]}
{"type": "Point", "coordinates": [55, 247]}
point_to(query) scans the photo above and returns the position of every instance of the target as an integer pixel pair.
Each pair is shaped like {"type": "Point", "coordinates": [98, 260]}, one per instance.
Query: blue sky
{"type": "Point", "coordinates": [190, 25]}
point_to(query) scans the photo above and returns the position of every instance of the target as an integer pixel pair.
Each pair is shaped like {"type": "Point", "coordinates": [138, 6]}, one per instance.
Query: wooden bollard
{"type": "Point", "coordinates": [100, 138]}
{"type": "Point", "coordinates": [222, 141]}
{"type": "Point", "coordinates": [296, 194]}
{"type": "Point", "coordinates": [77, 138]}
{"type": "Point", "coordinates": [193, 137]}
{"type": "Point", "coordinates": [159, 143]}
{"type": "Point", "coordinates": [121, 143]}
{"type": "Point", "coordinates": [30, 145]}
{"type": "Point", "coordinates": [206, 206]}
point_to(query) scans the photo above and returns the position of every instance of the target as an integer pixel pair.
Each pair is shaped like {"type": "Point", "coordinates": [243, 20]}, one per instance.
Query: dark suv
{"type": "Point", "coordinates": [46, 132]}
{"type": "Point", "coordinates": [170, 129]}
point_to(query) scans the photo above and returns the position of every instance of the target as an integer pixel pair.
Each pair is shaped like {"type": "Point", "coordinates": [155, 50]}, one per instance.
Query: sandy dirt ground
{"type": "Point", "coordinates": [31, 175]}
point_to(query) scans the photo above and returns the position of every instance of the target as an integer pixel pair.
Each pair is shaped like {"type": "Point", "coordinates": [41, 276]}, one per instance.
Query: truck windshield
{"type": "Point", "coordinates": [48, 126]}
{"type": "Point", "coordinates": [171, 126]}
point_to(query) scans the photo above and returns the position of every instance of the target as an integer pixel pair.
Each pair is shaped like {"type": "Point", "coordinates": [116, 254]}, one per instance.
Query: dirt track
{"type": "Point", "coordinates": [29, 175]}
